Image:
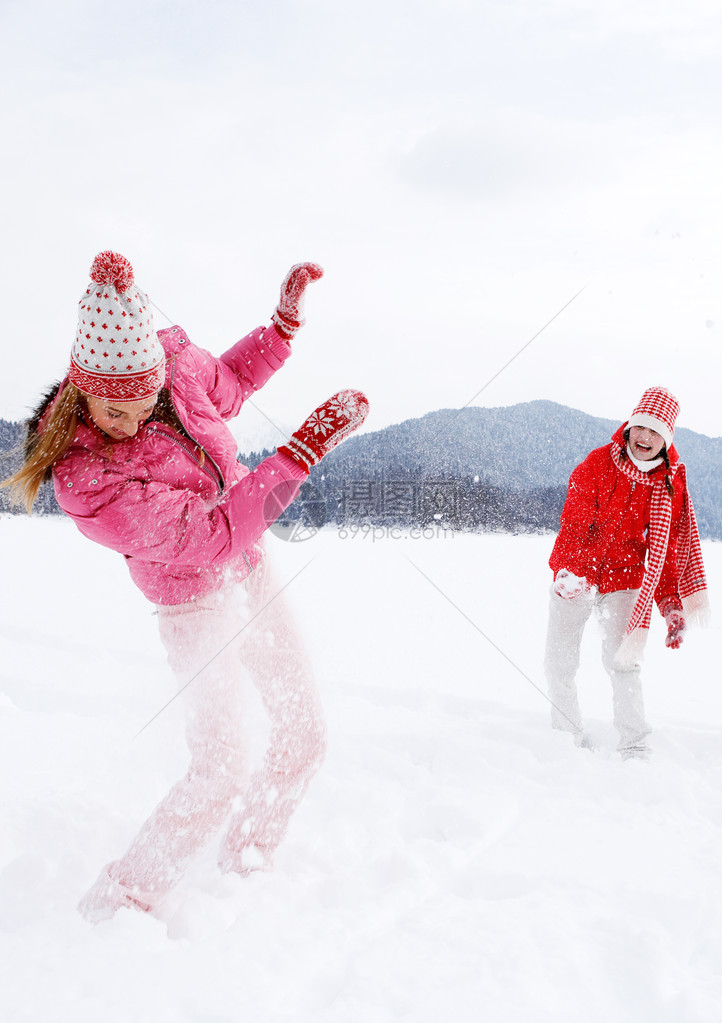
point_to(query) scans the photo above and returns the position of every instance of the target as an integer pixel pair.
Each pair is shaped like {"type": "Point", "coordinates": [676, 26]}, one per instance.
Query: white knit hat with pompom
{"type": "Point", "coordinates": [116, 354]}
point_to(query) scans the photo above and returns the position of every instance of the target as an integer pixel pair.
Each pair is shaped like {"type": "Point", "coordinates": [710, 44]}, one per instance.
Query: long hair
{"type": "Point", "coordinates": [663, 454]}
{"type": "Point", "coordinates": [44, 448]}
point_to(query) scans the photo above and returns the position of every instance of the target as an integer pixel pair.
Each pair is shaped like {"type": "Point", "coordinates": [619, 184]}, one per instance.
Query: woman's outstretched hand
{"type": "Point", "coordinates": [288, 316]}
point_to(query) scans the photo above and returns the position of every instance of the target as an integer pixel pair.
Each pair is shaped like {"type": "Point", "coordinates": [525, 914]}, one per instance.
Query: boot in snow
{"type": "Point", "coordinates": [639, 752]}
{"type": "Point", "coordinates": [105, 897]}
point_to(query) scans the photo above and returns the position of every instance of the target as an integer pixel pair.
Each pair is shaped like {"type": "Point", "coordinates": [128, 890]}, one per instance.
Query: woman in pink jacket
{"type": "Point", "coordinates": [136, 441]}
{"type": "Point", "coordinates": [628, 538]}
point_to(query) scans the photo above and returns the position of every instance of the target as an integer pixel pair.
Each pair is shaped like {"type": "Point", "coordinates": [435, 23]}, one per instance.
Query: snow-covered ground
{"type": "Point", "coordinates": [454, 859]}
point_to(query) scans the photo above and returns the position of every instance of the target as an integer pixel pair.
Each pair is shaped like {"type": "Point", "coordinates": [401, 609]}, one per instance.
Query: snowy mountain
{"type": "Point", "coordinates": [533, 444]}
{"type": "Point", "coordinates": [507, 468]}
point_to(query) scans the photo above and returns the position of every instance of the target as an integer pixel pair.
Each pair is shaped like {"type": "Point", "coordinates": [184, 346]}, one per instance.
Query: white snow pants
{"type": "Point", "coordinates": [567, 619]}
{"type": "Point", "coordinates": [212, 643]}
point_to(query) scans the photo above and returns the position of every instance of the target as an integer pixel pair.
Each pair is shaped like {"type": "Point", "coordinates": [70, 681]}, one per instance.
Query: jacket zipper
{"type": "Point", "coordinates": [220, 482]}
{"type": "Point", "coordinates": [179, 443]}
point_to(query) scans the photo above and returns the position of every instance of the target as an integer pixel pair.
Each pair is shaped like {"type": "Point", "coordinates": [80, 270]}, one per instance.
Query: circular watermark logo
{"type": "Point", "coordinates": [302, 519]}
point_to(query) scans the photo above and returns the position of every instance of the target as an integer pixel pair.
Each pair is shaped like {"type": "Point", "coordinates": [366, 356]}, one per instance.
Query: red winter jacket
{"type": "Point", "coordinates": [604, 523]}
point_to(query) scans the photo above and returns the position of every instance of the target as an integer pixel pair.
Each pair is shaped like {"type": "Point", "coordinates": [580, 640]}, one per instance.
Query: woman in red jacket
{"type": "Point", "coordinates": [628, 538]}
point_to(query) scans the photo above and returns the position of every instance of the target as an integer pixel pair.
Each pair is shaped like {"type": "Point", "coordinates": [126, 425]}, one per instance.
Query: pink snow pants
{"type": "Point", "coordinates": [213, 643]}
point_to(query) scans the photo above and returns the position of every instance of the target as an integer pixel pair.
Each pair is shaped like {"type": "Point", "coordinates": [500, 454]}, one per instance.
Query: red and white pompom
{"type": "Point", "coordinates": [112, 268]}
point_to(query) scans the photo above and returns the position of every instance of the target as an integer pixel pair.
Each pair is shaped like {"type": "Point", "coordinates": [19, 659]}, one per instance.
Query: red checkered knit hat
{"type": "Point", "coordinates": [116, 353]}
{"type": "Point", "coordinates": [657, 410]}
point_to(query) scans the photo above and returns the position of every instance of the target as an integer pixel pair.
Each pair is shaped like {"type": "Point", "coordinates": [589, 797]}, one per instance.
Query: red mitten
{"type": "Point", "coordinates": [288, 316]}
{"type": "Point", "coordinates": [676, 627]}
{"type": "Point", "coordinates": [326, 427]}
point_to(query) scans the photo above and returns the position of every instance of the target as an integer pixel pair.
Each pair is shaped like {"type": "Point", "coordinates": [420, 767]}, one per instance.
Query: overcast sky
{"type": "Point", "coordinates": [460, 168]}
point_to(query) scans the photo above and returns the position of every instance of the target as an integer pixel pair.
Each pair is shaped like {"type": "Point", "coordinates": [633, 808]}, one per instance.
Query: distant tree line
{"type": "Point", "coordinates": [12, 440]}
{"type": "Point", "coordinates": [411, 497]}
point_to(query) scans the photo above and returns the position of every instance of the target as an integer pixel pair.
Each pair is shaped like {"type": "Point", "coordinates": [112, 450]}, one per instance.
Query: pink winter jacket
{"type": "Point", "coordinates": [184, 523]}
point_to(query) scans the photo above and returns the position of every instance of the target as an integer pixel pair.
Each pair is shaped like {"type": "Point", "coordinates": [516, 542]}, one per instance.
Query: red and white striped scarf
{"type": "Point", "coordinates": [692, 583]}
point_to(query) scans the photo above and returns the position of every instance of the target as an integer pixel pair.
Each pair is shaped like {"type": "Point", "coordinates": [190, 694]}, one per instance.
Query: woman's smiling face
{"type": "Point", "coordinates": [645, 444]}
{"type": "Point", "coordinates": [119, 419]}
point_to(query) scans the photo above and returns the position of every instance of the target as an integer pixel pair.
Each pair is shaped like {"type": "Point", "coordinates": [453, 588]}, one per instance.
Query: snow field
{"type": "Point", "coordinates": [454, 858]}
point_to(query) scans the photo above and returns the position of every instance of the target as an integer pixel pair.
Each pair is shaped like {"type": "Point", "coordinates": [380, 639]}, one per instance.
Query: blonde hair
{"type": "Point", "coordinates": [44, 448]}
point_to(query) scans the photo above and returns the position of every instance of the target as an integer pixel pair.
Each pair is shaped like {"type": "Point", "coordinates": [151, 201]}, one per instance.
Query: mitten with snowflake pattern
{"type": "Point", "coordinates": [326, 427]}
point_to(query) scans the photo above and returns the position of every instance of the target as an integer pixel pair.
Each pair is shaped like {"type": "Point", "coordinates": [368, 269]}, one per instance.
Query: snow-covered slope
{"type": "Point", "coordinates": [453, 860]}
